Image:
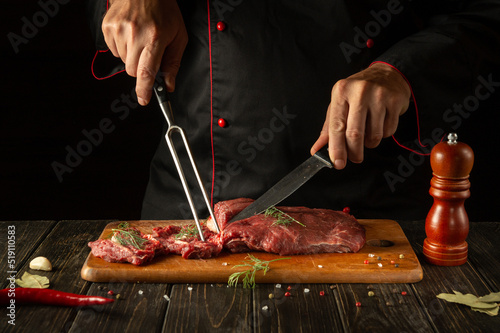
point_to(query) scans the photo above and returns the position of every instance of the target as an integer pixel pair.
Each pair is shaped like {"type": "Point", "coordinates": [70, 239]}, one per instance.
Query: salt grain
{"type": "Point", "coordinates": [265, 308]}
{"type": "Point", "coordinates": [140, 292]}
{"type": "Point", "coordinates": [380, 264]}
{"type": "Point", "coordinates": [166, 297]}
{"type": "Point", "coordinates": [278, 285]}
{"type": "Point", "coordinates": [224, 264]}
{"type": "Point", "coordinates": [190, 288]}
{"type": "Point", "coordinates": [320, 266]}
{"type": "Point", "coordinates": [371, 255]}
{"type": "Point", "coordinates": [306, 290]}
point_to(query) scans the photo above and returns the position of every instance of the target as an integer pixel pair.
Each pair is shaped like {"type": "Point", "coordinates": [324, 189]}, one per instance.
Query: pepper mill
{"type": "Point", "coordinates": [447, 223]}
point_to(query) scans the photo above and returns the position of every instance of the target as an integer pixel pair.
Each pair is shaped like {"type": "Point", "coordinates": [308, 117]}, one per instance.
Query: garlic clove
{"type": "Point", "coordinates": [41, 264]}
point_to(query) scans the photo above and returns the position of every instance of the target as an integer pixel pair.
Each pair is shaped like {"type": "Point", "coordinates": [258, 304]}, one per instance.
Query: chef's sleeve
{"type": "Point", "coordinates": [458, 48]}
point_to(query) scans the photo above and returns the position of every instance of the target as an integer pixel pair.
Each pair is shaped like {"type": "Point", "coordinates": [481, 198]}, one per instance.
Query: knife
{"type": "Point", "coordinates": [286, 186]}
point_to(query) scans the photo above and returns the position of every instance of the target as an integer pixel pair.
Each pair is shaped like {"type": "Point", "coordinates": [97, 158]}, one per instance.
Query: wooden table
{"type": "Point", "coordinates": [218, 308]}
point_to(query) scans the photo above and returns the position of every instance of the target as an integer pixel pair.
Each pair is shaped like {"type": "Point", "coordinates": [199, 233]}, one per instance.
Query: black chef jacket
{"type": "Point", "coordinates": [255, 83]}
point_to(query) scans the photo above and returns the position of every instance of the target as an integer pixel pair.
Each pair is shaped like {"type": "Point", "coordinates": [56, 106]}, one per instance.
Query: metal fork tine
{"type": "Point", "coordinates": [162, 95]}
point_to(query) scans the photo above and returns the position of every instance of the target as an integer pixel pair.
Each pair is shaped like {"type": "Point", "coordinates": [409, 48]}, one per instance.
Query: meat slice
{"type": "Point", "coordinates": [325, 231]}
{"type": "Point", "coordinates": [111, 251]}
{"type": "Point", "coordinates": [189, 247]}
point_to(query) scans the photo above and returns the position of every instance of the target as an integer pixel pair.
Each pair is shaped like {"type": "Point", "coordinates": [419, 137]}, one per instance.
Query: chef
{"type": "Point", "coordinates": [260, 85]}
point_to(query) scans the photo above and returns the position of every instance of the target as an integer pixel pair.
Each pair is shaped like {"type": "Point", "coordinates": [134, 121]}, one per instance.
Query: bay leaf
{"type": "Point", "coordinates": [467, 299]}
{"type": "Point", "coordinates": [492, 312]}
{"type": "Point", "coordinates": [493, 297]}
{"type": "Point", "coordinates": [33, 281]}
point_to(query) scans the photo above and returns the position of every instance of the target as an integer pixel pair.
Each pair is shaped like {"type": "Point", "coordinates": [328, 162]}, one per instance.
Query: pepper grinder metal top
{"type": "Point", "coordinates": [447, 223]}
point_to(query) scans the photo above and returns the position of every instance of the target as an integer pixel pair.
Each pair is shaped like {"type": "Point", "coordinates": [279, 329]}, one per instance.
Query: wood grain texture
{"type": "Point", "coordinates": [451, 317]}
{"type": "Point", "coordinates": [317, 268]}
{"type": "Point", "coordinates": [386, 311]}
{"type": "Point", "coordinates": [28, 235]}
{"type": "Point", "coordinates": [208, 308]}
{"type": "Point", "coordinates": [65, 247]}
{"type": "Point", "coordinates": [307, 310]}
{"type": "Point", "coordinates": [484, 252]}
{"type": "Point", "coordinates": [140, 307]}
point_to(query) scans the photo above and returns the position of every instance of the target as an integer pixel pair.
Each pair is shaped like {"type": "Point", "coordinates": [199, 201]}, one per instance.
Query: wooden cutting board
{"type": "Point", "coordinates": [316, 268]}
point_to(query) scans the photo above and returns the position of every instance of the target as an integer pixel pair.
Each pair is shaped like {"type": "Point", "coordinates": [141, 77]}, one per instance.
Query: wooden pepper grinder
{"type": "Point", "coordinates": [447, 223]}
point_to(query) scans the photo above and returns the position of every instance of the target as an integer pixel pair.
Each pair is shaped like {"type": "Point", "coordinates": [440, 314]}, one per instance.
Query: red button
{"type": "Point", "coordinates": [370, 43]}
{"type": "Point", "coordinates": [221, 26]}
{"type": "Point", "coordinates": [221, 122]}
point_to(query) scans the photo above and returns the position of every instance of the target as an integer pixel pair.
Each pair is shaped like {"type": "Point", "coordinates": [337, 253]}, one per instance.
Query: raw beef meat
{"type": "Point", "coordinates": [325, 230]}
{"type": "Point", "coordinates": [111, 251]}
{"type": "Point", "coordinates": [189, 247]}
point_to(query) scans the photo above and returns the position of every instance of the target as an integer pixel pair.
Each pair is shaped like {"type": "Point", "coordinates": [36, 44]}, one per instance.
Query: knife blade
{"type": "Point", "coordinates": [287, 185]}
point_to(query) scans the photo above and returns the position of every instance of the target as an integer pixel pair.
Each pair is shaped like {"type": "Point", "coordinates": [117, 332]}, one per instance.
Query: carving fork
{"type": "Point", "coordinates": [160, 90]}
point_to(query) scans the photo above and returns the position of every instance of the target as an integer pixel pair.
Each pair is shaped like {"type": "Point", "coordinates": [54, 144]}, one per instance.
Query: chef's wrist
{"type": "Point", "coordinates": [395, 74]}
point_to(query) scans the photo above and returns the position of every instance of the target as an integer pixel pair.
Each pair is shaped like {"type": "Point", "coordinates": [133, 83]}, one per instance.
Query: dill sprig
{"type": "Point", "coordinates": [124, 235]}
{"type": "Point", "coordinates": [187, 231]}
{"type": "Point", "coordinates": [254, 264]}
{"type": "Point", "coordinates": [282, 218]}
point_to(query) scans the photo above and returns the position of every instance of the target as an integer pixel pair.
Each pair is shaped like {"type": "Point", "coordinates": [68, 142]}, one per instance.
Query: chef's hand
{"type": "Point", "coordinates": [364, 108]}
{"type": "Point", "coordinates": [148, 35]}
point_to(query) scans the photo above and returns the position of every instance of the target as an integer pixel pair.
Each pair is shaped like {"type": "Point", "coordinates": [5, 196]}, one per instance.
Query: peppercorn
{"type": "Point", "coordinates": [287, 294]}
{"type": "Point", "coordinates": [403, 293]}
{"type": "Point", "coordinates": [371, 293]}
{"type": "Point", "coordinates": [111, 292]}
{"type": "Point", "coordinates": [366, 262]}
{"type": "Point", "coordinates": [322, 293]}
{"type": "Point", "coordinates": [346, 210]}
{"type": "Point", "coordinates": [289, 288]}
{"type": "Point", "coordinates": [358, 304]}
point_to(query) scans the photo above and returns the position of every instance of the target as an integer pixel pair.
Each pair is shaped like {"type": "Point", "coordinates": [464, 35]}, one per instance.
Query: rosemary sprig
{"type": "Point", "coordinates": [187, 231]}
{"type": "Point", "coordinates": [254, 264]}
{"type": "Point", "coordinates": [282, 218]}
{"type": "Point", "coordinates": [123, 235]}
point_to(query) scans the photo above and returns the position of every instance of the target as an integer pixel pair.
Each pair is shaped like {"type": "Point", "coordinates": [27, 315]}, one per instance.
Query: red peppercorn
{"type": "Point", "coordinates": [393, 262]}
{"type": "Point", "coordinates": [366, 262]}
{"type": "Point", "coordinates": [287, 294]}
{"type": "Point", "coordinates": [289, 288]}
{"type": "Point", "coordinates": [322, 293]}
{"type": "Point", "coordinates": [358, 304]}
{"type": "Point", "coordinates": [111, 292]}
{"type": "Point", "coordinates": [370, 43]}
{"type": "Point", "coordinates": [346, 210]}
{"type": "Point", "coordinates": [403, 293]}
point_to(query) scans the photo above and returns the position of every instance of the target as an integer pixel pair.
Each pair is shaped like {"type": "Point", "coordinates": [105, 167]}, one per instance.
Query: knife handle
{"type": "Point", "coordinates": [323, 155]}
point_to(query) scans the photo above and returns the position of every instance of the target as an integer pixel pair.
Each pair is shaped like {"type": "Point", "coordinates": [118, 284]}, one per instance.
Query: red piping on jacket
{"type": "Point", "coordinates": [102, 51]}
{"type": "Point", "coordinates": [211, 105]}
{"type": "Point", "coordinates": [416, 112]}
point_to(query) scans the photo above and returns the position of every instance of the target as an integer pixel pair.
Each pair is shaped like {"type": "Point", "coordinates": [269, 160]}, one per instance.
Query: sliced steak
{"type": "Point", "coordinates": [111, 251]}
{"type": "Point", "coordinates": [189, 247]}
{"type": "Point", "coordinates": [325, 231]}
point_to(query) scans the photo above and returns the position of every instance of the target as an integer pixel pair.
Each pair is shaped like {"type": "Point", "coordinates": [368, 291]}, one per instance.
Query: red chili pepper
{"type": "Point", "coordinates": [49, 297]}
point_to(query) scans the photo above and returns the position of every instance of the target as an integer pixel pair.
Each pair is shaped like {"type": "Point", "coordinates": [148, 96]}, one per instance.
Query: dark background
{"type": "Point", "coordinates": [49, 97]}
